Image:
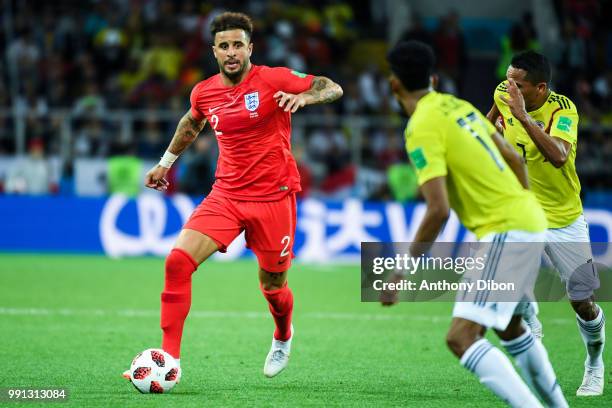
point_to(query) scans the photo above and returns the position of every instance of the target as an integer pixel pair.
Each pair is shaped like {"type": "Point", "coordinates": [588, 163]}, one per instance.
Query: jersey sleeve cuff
{"type": "Point", "coordinates": [196, 114]}
{"type": "Point", "coordinates": [432, 175]}
{"type": "Point", "coordinates": [564, 136]}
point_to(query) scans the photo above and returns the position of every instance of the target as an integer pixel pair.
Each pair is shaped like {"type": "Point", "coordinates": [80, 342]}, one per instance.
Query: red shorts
{"type": "Point", "coordinates": [269, 226]}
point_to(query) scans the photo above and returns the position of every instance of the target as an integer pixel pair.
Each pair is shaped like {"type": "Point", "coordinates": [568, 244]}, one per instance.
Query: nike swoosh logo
{"type": "Point", "coordinates": [281, 262]}
{"type": "Point", "coordinates": [212, 110]}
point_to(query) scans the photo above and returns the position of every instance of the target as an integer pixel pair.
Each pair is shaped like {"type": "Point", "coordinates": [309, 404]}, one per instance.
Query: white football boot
{"type": "Point", "coordinates": [278, 357]}
{"type": "Point", "coordinates": [592, 382]}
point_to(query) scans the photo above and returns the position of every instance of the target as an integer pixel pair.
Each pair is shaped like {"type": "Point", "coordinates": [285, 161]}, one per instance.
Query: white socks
{"type": "Point", "coordinates": [593, 334]}
{"type": "Point", "coordinates": [496, 372]}
{"type": "Point", "coordinates": [532, 358]}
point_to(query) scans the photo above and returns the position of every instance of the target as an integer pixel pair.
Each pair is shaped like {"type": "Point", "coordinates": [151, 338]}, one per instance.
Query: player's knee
{"type": "Point", "coordinates": [514, 330]}
{"type": "Point", "coordinates": [267, 286]}
{"type": "Point", "coordinates": [586, 309]}
{"type": "Point", "coordinates": [272, 280]}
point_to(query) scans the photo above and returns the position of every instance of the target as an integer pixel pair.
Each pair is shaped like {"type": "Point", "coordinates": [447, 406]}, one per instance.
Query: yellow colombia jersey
{"type": "Point", "coordinates": [447, 136]}
{"type": "Point", "coordinates": [557, 189]}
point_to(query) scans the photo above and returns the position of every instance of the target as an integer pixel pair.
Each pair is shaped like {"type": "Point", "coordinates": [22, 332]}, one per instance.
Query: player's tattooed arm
{"type": "Point", "coordinates": [322, 90]}
{"type": "Point", "coordinates": [186, 132]}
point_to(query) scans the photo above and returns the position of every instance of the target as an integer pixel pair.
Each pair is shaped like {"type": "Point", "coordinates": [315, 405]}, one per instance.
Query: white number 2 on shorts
{"type": "Point", "coordinates": [286, 240]}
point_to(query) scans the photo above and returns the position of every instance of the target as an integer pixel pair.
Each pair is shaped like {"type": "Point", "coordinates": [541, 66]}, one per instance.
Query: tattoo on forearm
{"type": "Point", "coordinates": [186, 132]}
{"type": "Point", "coordinates": [323, 90]}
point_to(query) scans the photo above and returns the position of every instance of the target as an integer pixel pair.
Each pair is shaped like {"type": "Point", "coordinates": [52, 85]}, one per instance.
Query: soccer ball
{"type": "Point", "coordinates": [154, 371]}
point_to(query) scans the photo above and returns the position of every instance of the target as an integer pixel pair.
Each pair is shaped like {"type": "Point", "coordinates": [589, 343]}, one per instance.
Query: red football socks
{"type": "Point", "coordinates": [176, 299]}
{"type": "Point", "coordinates": [280, 302]}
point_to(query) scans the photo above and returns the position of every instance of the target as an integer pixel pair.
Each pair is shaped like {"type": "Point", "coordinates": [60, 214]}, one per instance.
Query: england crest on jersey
{"type": "Point", "coordinates": [251, 101]}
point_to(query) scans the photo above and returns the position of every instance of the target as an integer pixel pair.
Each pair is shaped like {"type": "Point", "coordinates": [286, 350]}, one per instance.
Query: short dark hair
{"type": "Point", "coordinates": [413, 63]}
{"type": "Point", "coordinates": [231, 21]}
{"type": "Point", "coordinates": [535, 64]}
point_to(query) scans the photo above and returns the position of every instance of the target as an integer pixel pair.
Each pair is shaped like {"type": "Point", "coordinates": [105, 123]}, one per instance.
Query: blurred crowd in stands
{"type": "Point", "coordinates": [146, 55]}
{"type": "Point", "coordinates": [584, 73]}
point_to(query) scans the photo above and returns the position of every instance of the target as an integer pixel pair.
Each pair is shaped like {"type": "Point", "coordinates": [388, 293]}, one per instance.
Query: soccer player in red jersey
{"type": "Point", "coordinates": [249, 108]}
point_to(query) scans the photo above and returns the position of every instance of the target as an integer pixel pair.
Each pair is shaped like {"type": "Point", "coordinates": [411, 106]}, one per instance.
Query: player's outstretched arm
{"type": "Point", "coordinates": [438, 210]}
{"type": "Point", "coordinates": [554, 149]}
{"type": "Point", "coordinates": [514, 160]}
{"type": "Point", "coordinates": [186, 132]}
{"type": "Point", "coordinates": [322, 90]}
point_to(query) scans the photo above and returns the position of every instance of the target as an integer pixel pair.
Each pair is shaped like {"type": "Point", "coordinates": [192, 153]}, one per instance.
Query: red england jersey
{"type": "Point", "coordinates": [254, 133]}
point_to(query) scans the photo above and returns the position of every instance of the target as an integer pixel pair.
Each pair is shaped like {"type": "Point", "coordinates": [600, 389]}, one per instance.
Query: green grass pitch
{"type": "Point", "coordinates": [77, 321]}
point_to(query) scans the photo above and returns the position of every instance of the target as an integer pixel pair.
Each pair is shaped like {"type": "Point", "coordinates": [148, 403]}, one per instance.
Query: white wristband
{"type": "Point", "coordinates": [167, 159]}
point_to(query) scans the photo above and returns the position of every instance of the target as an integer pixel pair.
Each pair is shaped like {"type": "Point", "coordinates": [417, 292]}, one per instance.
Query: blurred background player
{"type": "Point", "coordinates": [448, 136]}
{"type": "Point", "coordinates": [249, 108]}
{"type": "Point", "coordinates": [543, 126]}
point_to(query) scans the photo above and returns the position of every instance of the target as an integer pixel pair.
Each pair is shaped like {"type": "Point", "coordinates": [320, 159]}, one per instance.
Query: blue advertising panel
{"type": "Point", "coordinates": [119, 226]}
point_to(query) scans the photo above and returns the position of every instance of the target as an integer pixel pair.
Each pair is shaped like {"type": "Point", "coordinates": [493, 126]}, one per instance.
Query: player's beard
{"type": "Point", "coordinates": [235, 74]}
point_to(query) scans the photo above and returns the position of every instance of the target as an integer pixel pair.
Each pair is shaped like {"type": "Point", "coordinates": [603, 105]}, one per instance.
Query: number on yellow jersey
{"type": "Point", "coordinates": [466, 123]}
